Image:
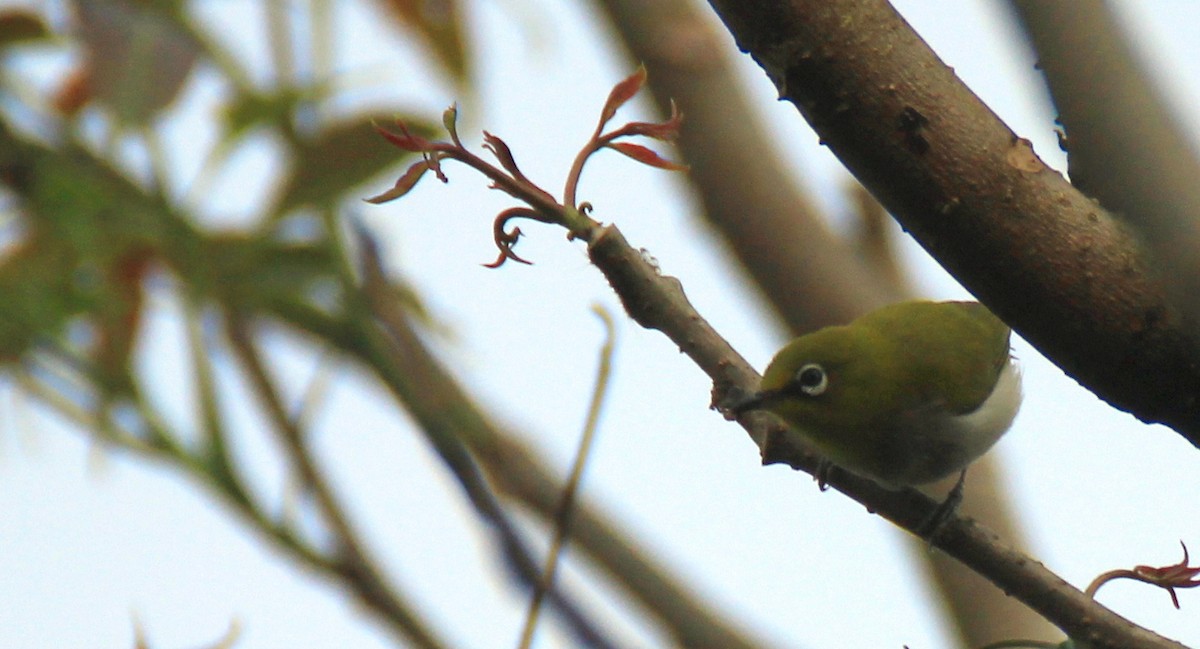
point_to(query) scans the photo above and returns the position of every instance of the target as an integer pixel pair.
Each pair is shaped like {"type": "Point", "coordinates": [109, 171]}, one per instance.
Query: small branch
{"type": "Point", "coordinates": [413, 378]}
{"type": "Point", "coordinates": [351, 561]}
{"type": "Point", "coordinates": [566, 509]}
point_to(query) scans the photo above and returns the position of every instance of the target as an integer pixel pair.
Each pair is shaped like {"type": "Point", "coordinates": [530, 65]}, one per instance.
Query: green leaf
{"type": "Point", "coordinates": [85, 238]}
{"type": "Point", "coordinates": [257, 272]}
{"type": "Point", "coordinates": [18, 26]}
{"type": "Point", "coordinates": [37, 298]}
{"type": "Point", "coordinates": [249, 110]}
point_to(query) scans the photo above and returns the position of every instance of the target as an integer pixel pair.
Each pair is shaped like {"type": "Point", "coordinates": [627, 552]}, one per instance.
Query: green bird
{"type": "Point", "coordinates": [906, 395]}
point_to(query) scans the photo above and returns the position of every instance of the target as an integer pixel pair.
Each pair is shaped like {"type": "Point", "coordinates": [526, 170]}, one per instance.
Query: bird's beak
{"type": "Point", "coordinates": [748, 402]}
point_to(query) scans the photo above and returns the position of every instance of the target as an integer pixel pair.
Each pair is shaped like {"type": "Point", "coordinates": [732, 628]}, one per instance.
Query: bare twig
{"type": "Point", "coordinates": [566, 509]}
{"type": "Point", "coordinates": [350, 560]}
{"type": "Point", "coordinates": [413, 378]}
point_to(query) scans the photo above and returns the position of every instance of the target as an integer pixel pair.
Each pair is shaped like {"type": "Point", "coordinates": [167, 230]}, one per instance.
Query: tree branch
{"type": "Point", "coordinates": [1124, 145]}
{"type": "Point", "coordinates": [350, 559]}
{"type": "Point", "coordinates": [1063, 272]}
{"type": "Point", "coordinates": [658, 302]}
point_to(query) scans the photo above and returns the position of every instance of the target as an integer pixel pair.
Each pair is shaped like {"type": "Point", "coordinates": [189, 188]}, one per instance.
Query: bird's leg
{"type": "Point", "coordinates": [932, 525]}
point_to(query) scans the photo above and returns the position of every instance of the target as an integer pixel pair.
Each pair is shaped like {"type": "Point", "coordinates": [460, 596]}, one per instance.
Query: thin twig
{"type": "Point", "coordinates": [228, 486]}
{"type": "Point", "coordinates": [398, 357]}
{"type": "Point", "coordinates": [519, 474]}
{"type": "Point", "coordinates": [351, 560]}
{"type": "Point", "coordinates": [566, 510]}
{"type": "Point", "coordinates": [279, 36]}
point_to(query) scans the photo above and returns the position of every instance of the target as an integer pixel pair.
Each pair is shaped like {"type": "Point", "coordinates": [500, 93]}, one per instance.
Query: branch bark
{"type": "Point", "coordinates": [1124, 145]}
{"type": "Point", "coordinates": [1067, 275]}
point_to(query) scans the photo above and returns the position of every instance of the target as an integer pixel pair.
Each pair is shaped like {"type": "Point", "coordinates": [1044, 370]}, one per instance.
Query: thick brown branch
{"type": "Point", "coordinates": [1049, 260]}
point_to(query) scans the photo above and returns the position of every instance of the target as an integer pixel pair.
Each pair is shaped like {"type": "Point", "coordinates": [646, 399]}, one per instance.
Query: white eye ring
{"type": "Point", "coordinates": [812, 379]}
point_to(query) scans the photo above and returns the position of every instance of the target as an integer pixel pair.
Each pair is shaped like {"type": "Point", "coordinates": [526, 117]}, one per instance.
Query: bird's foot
{"type": "Point", "coordinates": [821, 475]}
{"type": "Point", "coordinates": [930, 528]}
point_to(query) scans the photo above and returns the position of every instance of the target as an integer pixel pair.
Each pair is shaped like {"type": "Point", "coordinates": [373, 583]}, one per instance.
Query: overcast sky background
{"type": "Point", "coordinates": [90, 541]}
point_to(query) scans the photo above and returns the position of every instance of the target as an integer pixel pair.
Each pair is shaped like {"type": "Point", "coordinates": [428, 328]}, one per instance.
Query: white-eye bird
{"type": "Point", "coordinates": [905, 395]}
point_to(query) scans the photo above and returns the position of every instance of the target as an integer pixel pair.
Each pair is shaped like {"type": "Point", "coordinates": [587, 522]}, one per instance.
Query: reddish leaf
{"type": "Point", "coordinates": [1179, 575]}
{"type": "Point", "coordinates": [621, 93]}
{"type": "Point", "coordinates": [121, 316]}
{"type": "Point", "coordinates": [403, 185]}
{"type": "Point", "coordinates": [341, 158]}
{"type": "Point", "coordinates": [405, 139]}
{"type": "Point", "coordinates": [74, 92]}
{"type": "Point", "coordinates": [646, 156]}
{"type": "Point", "coordinates": [666, 131]}
{"type": "Point", "coordinates": [504, 154]}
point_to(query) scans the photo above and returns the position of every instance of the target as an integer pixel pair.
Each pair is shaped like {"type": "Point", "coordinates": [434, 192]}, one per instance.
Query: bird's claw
{"type": "Point", "coordinates": [821, 475]}
{"type": "Point", "coordinates": [932, 526]}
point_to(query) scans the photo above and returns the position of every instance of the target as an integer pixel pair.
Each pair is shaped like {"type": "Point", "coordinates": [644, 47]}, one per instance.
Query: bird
{"type": "Point", "coordinates": [905, 395]}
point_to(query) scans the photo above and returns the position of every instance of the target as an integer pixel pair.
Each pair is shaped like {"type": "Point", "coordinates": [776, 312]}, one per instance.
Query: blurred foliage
{"type": "Point", "coordinates": [96, 224]}
{"type": "Point", "coordinates": [17, 27]}
{"type": "Point", "coordinates": [119, 37]}
{"type": "Point", "coordinates": [95, 221]}
{"type": "Point", "coordinates": [84, 235]}
{"type": "Point", "coordinates": [439, 23]}
{"type": "Point", "coordinates": [342, 156]}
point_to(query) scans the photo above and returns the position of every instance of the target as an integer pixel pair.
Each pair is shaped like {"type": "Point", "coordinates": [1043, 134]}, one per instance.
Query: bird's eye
{"type": "Point", "coordinates": [812, 379]}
